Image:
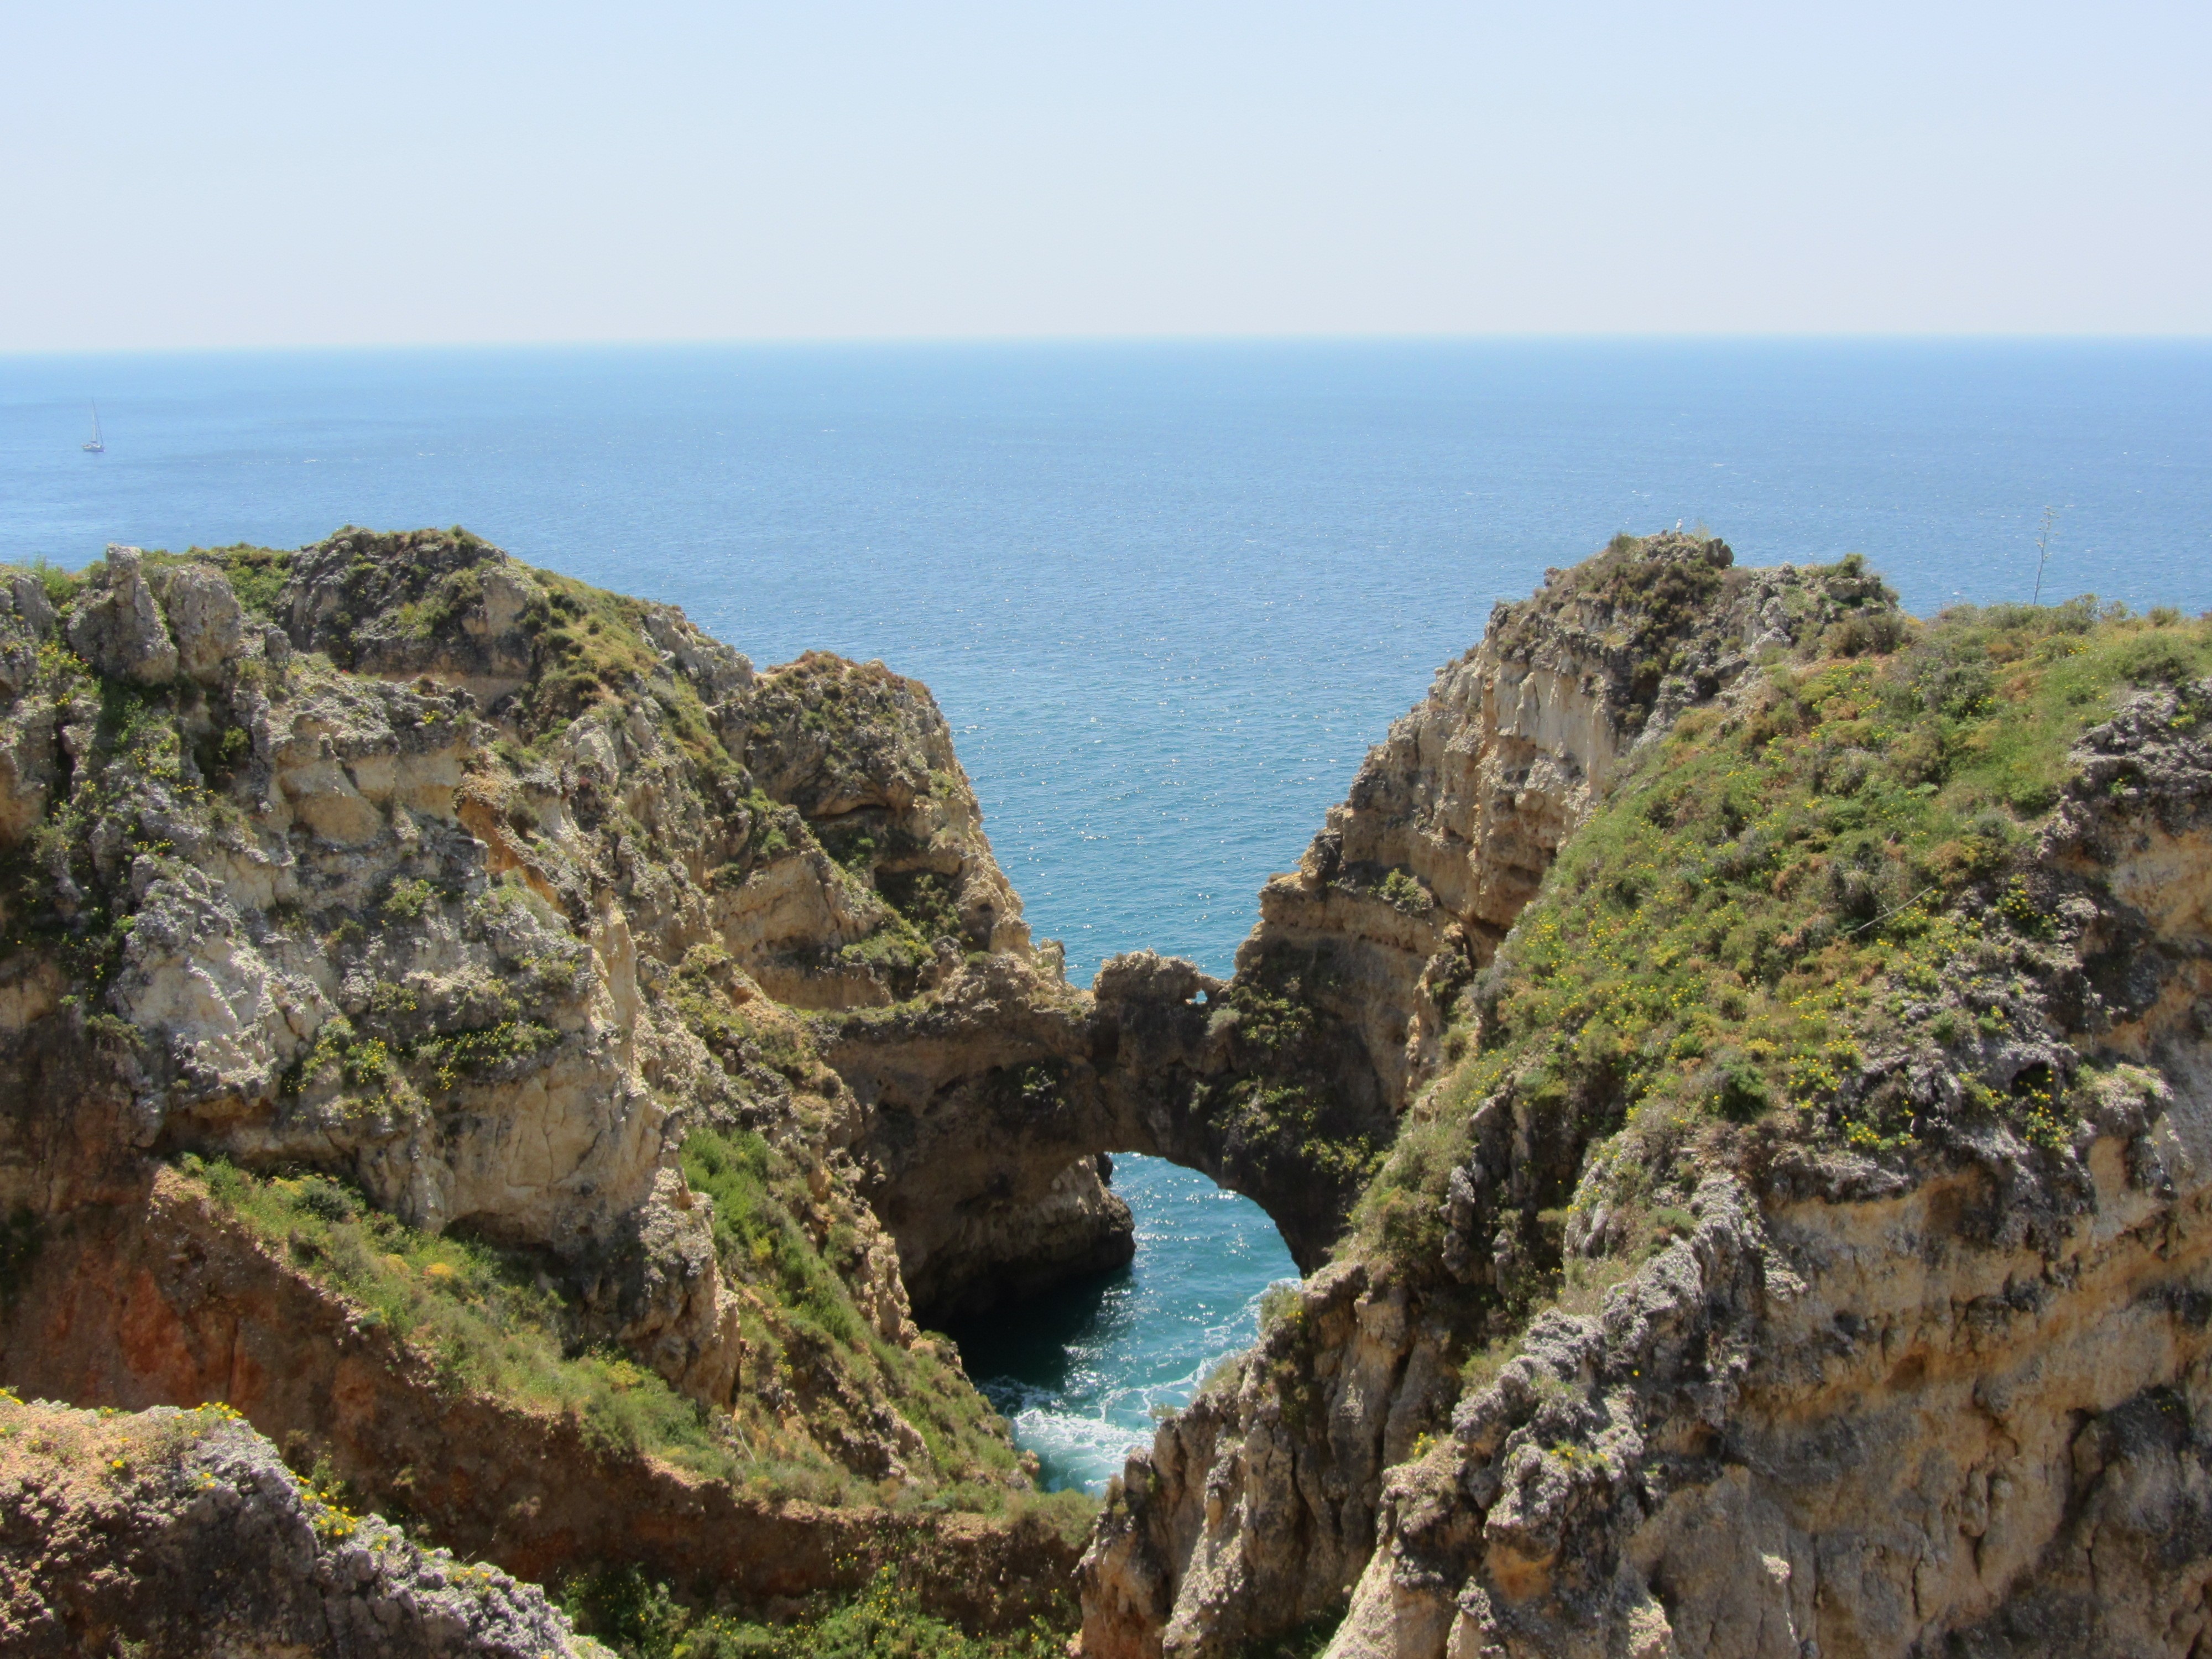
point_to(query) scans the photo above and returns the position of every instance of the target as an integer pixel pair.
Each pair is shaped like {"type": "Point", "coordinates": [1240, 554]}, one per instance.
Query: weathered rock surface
{"type": "Point", "coordinates": [181, 1533]}
{"type": "Point", "coordinates": [395, 860]}
{"type": "Point", "coordinates": [206, 620]}
{"type": "Point", "coordinates": [120, 630]}
{"type": "Point", "coordinates": [1287, 1083]}
{"type": "Point", "coordinates": [1454, 817]}
{"type": "Point", "coordinates": [1863, 1403]}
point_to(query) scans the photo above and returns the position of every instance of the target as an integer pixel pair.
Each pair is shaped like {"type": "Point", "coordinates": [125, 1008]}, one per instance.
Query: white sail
{"type": "Point", "coordinates": [95, 444]}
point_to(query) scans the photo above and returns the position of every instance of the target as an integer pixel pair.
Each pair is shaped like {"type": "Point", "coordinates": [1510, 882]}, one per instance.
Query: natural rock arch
{"type": "Point", "coordinates": [987, 1109]}
{"type": "Point", "coordinates": [1287, 1083]}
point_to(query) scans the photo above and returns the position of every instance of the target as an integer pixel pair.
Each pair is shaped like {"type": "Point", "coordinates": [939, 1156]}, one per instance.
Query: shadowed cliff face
{"type": "Point", "coordinates": [1803, 1243]}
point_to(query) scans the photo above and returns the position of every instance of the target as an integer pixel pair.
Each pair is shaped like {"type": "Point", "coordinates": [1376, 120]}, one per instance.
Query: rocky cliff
{"type": "Point", "coordinates": [1795, 1241]}
{"type": "Point", "coordinates": [1734, 1071]}
{"type": "Point", "coordinates": [452, 931]}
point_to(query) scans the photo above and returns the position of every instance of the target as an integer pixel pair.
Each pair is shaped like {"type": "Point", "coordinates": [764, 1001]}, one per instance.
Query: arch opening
{"type": "Point", "coordinates": [1082, 1369]}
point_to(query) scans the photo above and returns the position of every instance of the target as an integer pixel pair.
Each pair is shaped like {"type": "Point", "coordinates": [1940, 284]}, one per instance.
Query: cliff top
{"type": "Point", "coordinates": [462, 920]}
{"type": "Point", "coordinates": [1855, 920]}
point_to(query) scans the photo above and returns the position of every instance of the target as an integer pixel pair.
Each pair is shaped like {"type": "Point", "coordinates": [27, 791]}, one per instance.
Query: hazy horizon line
{"type": "Point", "coordinates": [1595, 336]}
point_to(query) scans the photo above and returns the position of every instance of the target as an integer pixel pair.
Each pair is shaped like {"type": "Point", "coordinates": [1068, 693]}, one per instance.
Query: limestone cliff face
{"type": "Point", "coordinates": [1910, 1358]}
{"type": "Point", "coordinates": [397, 859]}
{"type": "Point", "coordinates": [1734, 1068]}
{"type": "Point", "coordinates": [1454, 817]}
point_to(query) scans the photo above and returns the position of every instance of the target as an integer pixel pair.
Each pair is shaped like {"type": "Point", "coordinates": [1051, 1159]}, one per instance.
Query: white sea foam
{"type": "Point", "coordinates": [1148, 1342]}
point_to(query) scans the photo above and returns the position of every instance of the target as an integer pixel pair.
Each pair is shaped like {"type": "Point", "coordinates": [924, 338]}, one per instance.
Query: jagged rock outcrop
{"type": "Point", "coordinates": [179, 1534]}
{"type": "Point", "coordinates": [490, 893]}
{"type": "Point", "coordinates": [120, 630]}
{"type": "Point", "coordinates": [1856, 1424]}
{"type": "Point", "coordinates": [1757, 1045]}
{"type": "Point", "coordinates": [1255, 1506]}
{"type": "Point", "coordinates": [206, 620]}
{"type": "Point", "coordinates": [986, 1103]}
{"type": "Point", "coordinates": [1676, 1344]}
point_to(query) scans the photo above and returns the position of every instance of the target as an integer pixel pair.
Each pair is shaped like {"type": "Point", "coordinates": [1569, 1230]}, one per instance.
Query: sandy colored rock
{"type": "Point", "coordinates": [491, 968]}
{"type": "Point", "coordinates": [1857, 1405]}
{"type": "Point", "coordinates": [206, 619]}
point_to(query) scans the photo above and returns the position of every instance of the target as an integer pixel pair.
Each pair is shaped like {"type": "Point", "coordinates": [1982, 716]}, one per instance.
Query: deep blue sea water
{"type": "Point", "coordinates": [1166, 594]}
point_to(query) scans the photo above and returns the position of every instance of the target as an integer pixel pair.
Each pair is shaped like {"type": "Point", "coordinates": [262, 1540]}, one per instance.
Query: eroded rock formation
{"type": "Point", "coordinates": [1734, 1069]}
{"type": "Point", "coordinates": [398, 861]}
{"type": "Point", "coordinates": [1892, 1348]}
{"type": "Point", "coordinates": [1454, 817]}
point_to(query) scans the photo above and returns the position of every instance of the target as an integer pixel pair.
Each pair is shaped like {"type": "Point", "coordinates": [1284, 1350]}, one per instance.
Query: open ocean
{"type": "Point", "coordinates": [1166, 594]}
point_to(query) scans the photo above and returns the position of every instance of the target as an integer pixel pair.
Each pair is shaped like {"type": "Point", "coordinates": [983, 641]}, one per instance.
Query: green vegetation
{"type": "Point", "coordinates": [754, 1231]}
{"type": "Point", "coordinates": [1403, 892]}
{"type": "Point", "coordinates": [1276, 1117]}
{"type": "Point", "coordinates": [774, 829]}
{"type": "Point", "coordinates": [1829, 868]}
{"type": "Point", "coordinates": [820, 1379]}
{"type": "Point", "coordinates": [52, 883]}
{"type": "Point", "coordinates": [804, 1318]}
{"type": "Point", "coordinates": [898, 949]}
{"type": "Point", "coordinates": [408, 901]}
{"type": "Point", "coordinates": [59, 585]}
{"type": "Point", "coordinates": [591, 646]}
{"type": "Point", "coordinates": [929, 902]}
{"type": "Point", "coordinates": [257, 575]}
{"type": "Point", "coordinates": [442, 607]}
{"type": "Point", "coordinates": [640, 1619]}
{"type": "Point", "coordinates": [479, 1315]}
{"type": "Point", "coordinates": [391, 1073]}
{"type": "Point", "coordinates": [453, 1056]}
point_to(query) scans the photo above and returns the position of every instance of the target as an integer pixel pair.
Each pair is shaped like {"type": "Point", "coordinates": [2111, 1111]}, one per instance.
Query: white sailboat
{"type": "Point", "coordinates": [96, 445]}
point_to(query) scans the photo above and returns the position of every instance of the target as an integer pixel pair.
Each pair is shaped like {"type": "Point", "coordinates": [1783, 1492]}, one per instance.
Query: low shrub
{"type": "Point", "coordinates": [641, 1619]}
{"type": "Point", "coordinates": [1773, 883]}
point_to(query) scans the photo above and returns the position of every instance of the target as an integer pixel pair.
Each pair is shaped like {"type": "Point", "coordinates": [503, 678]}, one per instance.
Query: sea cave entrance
{"type": "Point", "coordinates": [1083, 1370]}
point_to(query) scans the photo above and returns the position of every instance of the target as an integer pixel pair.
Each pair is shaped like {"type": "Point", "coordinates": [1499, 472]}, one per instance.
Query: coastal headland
{"type": "Point", "coordinates": [1733, 1072]}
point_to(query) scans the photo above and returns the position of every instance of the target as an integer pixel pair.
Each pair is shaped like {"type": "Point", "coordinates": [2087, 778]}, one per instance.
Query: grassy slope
{"type": "Point", "coordinates": [1775, 889]}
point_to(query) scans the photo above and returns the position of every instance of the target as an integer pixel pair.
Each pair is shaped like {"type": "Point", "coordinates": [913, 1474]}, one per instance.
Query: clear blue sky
{"type": "Point", "coordinates": [231, 174]}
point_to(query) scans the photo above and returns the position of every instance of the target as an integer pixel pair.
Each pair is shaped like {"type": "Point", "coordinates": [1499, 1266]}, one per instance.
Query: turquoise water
{"type": "Point", "coordinates": [1083, 1374]}
{"type": "Point", "coordinates": [1166, 594]}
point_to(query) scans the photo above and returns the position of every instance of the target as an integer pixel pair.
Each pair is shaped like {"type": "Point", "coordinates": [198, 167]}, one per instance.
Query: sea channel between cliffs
{"type": "Point", "coordinates": [1731, 1076]}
